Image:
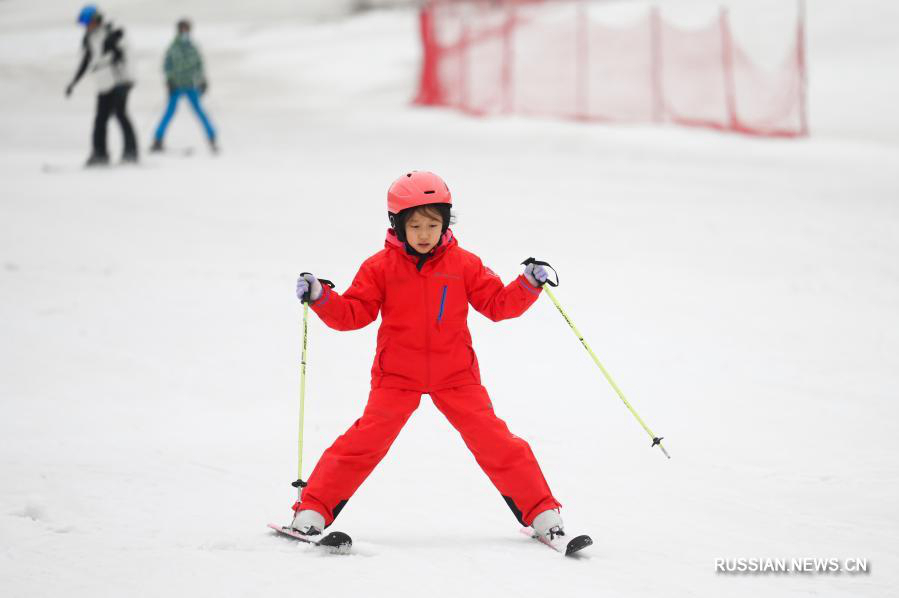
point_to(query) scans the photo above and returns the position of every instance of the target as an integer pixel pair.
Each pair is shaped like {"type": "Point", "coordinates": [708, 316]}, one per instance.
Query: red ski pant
{"type": "Point", "coordinates": [505, 458]}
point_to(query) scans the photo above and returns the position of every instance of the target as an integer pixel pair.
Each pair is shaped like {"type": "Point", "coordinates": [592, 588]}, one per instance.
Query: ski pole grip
{"type": "Point", "coordinates": [306, 298]}
{"type": "Point", "coordinates": [536, 262]}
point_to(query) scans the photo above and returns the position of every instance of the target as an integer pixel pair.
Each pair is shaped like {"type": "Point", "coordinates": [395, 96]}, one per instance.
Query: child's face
{"type": "Point", "coordinates": [423, 232]}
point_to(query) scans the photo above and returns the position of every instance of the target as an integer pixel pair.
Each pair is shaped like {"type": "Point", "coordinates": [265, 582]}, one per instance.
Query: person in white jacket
{"type": "Point", "coordinates": [104, 54]}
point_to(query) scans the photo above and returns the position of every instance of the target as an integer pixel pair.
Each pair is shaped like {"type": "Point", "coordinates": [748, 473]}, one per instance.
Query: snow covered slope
{"type": "Point", "coordinates": [743, 292]}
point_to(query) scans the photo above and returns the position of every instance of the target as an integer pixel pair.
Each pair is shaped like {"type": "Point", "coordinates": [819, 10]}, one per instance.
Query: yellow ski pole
{"type": "Point", "coordinates": [299, 484]}
{"type": "Point", "coordinates": [656, 440]}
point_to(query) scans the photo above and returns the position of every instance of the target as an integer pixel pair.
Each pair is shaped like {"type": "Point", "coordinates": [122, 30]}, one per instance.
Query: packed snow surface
{"type": "Point", "coordinates": [744, 294]}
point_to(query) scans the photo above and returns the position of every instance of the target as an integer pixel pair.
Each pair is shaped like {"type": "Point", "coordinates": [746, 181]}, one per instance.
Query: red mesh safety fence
{"type": "Point", "coordinates": [553, 59]}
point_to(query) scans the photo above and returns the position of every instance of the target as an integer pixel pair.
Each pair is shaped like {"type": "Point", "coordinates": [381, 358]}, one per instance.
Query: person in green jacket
{"type": "Point", "coordinates": [184, 76]}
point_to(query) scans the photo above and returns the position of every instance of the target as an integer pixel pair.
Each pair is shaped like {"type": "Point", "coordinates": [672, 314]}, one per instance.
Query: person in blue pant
{"type": "Point", "coordinates": [184, 76]}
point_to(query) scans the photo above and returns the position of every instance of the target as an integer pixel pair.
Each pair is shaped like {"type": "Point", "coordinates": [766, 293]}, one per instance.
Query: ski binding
{"type": "Point", "coordinates": [337, 542]}
{"type": "Point", "coordinates": [569, 548]}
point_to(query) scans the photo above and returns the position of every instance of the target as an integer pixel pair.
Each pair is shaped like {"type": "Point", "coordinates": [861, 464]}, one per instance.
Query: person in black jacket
{"type": "Point", "coordinates": [104, 54]}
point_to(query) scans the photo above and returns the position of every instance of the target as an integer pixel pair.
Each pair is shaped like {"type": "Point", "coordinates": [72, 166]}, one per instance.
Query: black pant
{"type": "Point", "coordinates": [113, 103]}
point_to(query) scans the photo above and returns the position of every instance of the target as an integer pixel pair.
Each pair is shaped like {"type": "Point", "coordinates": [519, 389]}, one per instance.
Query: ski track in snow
{"type": "Point", "coordinates": [743, 293]}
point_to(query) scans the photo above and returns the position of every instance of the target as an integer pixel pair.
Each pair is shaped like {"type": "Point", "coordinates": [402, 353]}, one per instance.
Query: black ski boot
{"type": "Point", "coordinates": [97, 160]}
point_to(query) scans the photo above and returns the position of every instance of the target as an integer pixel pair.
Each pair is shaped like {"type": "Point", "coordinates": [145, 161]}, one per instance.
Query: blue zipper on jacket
{"type": "Point", "coordinates": [442, 303]}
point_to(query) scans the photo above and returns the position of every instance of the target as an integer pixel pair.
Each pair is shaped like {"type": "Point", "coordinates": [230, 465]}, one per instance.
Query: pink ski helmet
{"type": "Point", "coordinates": [417, 188]}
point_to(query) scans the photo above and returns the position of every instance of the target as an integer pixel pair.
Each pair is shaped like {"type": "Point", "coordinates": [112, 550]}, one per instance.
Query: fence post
{"type": "Point", "coordinates": [463, 57]}
{"type": "Point", "coordinates": [582, 109]}
{"type": "Point", "coordinates": [803, 72]}
{"type": "Point", "coordinates": [727, 60]}
{"type": "Point", "coordinates": [655, 53]}
{"type": "Point", "coordinates": [429, 92]}
{"type": "Point", "coordinates": [508, 57]}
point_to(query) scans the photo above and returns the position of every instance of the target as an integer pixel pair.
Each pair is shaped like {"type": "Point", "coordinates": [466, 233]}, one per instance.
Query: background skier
{"type": "Point", "coordinates": [105, 55]}
{"type": "Point", "coordinates": [184, 76]}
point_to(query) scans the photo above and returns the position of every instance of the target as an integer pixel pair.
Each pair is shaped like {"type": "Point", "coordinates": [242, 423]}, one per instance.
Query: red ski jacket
{"type": "Point", "coordinates": [423, 342]}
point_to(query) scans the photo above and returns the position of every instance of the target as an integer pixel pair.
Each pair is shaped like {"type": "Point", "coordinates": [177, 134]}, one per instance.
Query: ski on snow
{"type": "Point", "coordinates": [341, 543]}
{"type": "Point", "coordinates": [561, 543]}
{"type": "Point", "coordinates": [337, 542]}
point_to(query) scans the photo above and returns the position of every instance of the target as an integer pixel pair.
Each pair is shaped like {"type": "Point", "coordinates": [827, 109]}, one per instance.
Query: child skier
{"type": "Point", "coordinates": [422, 283]}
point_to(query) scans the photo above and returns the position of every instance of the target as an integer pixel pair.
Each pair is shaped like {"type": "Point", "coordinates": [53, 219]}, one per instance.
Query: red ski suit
{"type": "Point", "coordinates": [424, 346]}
